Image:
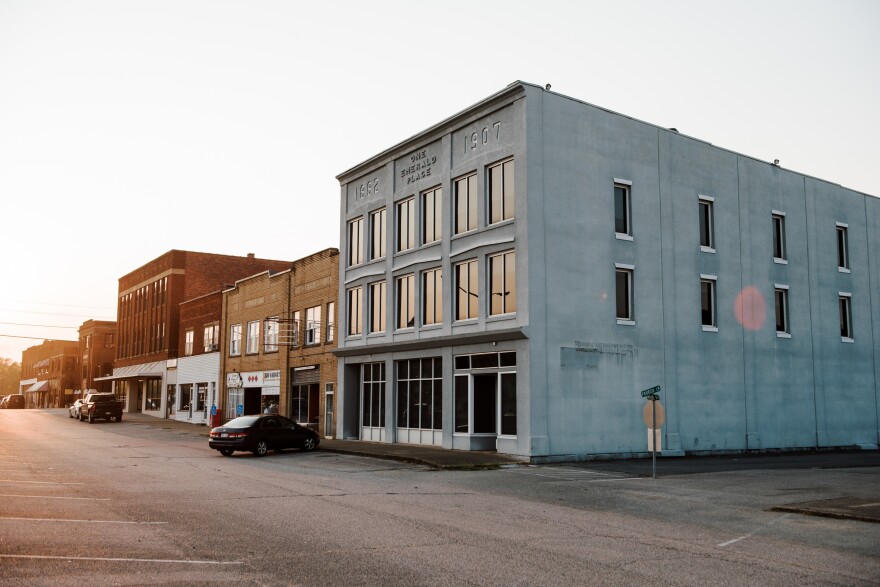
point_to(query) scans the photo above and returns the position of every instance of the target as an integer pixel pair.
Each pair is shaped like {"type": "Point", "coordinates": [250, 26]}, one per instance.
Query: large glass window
{"type": "Point", "coordinates": [356, 241]}
{"type": "Point", "coordinates": [377, 306]}
{"type": "Point", "coordinates": [432, 215]}
{"type": "Point", "coordinates": [253, 337]}
{"type": "Point", "coordinates": [186, 397]}
{"type": "Point", "coordinates": [779, 236]}
{"type": "Point", "coordinates": [355, 311]}
{"type": "Point", "coordinates": [212, 337]}
{"type": "Point", "coordinates": [313, 325]}
{"type": "Point", "coordinates": [406, 303]}
{"type": "Point", "coordinates": [467, 296]}
{"type": "Point", "coordinates": [502, 283]}
{"type": "Point", "coordinates": [501, 192]}
{"type": "Point", "coordinates": [154, 394]}
{"type": "Point", "coordinates": [406, 224]}
{"type": "Point", "coordinates": [466, 204]}
{"type": "Point", "coordinates": [373, 411]}
{"type": "Point", "coordinates": [377, 230]}
{"type": "Point", "coordinates": [485, 394]}
{"type": "Point", "coordinates": [270, 334]}
{"type": "Point", "coordinates": [235, 340]}
{"type": "Point", "coordinates": [432, 296]}
{"type": "Point", "coordinates": [622, 213]}
{"type": "Point", "coordinates": [419, 394]}
{"type": "Point", "coordinates": [707, 223]}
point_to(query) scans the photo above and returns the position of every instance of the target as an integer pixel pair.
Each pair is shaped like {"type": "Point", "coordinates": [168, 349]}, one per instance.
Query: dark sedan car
{"type": "Point", "coordinates": [260, 434]}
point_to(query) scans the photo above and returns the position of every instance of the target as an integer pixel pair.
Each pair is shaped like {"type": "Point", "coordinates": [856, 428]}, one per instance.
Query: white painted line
{"type": "Point", "coordinates": [867, 505]}
{"type": "Point", "coordinates": [752, 533]}
{"type": "Point", "coordinates": [119, 560]}
{"type": "Point", "coordinates": [78, 521]}
{"type": "Point", "coordinates": [58, 497]}
{"type": "Point", "coordinates": [37, 482]}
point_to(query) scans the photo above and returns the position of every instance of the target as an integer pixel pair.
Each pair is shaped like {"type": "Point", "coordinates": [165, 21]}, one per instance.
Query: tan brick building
{"type": "Point", "coordinates": [278, 333]}
{"type": "Point", "coordinates": [97, 350]}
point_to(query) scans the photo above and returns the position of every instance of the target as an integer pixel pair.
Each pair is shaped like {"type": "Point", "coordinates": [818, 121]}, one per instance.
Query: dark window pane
{"type": "Point", "coordinates": [402, 403]}
{"type": "Point", "coordinates": [426, 365]}
{"type": "Point", "coordinates": [508, 359]}
{"type": "Point", "coordinates": [621, 224]}
{"type": "Point", "coordinates": [508, 403]}
{"type": "Point", "coordinates": [484, 361]}
{"type": "Point", "coordinates": [438, 404]}
{"type": "Point", "coordinates": [485, 404]}
{"type": "Point", "coordinates": [706, 302]}
{"type": "Point", "coordinates": [461, 404]}
{"type": "Point", "coordinates": [414, 404]}
{"type": "Point", "coordinates": [463, 362]}
{"type": "Point", "coordinates": [496, 187]}
{"type": "Point", "coordinates": [426, 406]}
{"type": "Point", "coordinates": [623, 295]}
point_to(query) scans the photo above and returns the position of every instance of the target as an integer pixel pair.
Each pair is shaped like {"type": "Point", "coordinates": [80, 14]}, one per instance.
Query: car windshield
{"type": "Point", "coordinates": [242, 422]}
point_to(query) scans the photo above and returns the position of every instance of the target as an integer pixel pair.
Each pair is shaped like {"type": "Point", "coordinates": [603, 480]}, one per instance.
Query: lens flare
{"type": "Point", "coordinates": [750, 308]}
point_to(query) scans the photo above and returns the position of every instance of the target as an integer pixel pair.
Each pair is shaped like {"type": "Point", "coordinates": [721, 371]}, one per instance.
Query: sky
{"type": "Point", "coordinates": [129, 128]}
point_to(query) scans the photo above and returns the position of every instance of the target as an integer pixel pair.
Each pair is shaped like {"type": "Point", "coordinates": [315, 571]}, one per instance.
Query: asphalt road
{"type": "Point", "coordinates": [133, 504]}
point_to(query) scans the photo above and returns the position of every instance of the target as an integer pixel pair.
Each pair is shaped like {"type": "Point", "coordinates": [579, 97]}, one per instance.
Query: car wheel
{"type": "Point", "coordinates": [226, 452]}
{"type": "Point", "coordinates": [309, 444]}
{"type": "Point", "coordinates": [119, 418]}
{"type": "Point", "coordinates": [261, 448]}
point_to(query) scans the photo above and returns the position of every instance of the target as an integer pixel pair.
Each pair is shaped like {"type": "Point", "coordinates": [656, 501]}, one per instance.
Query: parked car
{"type": "Point", "coordinates": [100, 406]}
{"type": "Point", "coordinates": [74, 408]}
{"type": "Point", "coordinates": [3, 401]}
{"type": "Point", "coordinates": [13, 402]}
{"type": "Point", "coordinates": [260, 434]}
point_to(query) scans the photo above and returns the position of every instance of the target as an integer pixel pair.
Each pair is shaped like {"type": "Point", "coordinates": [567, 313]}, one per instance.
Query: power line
{"type": "Point", "coordinates": [56, 314]}
{"type": "Point", "coordinates": [39, 325]}
{"type": "Point", "coordinates": [32, 337]}
{"type": "Point", "coordinates": [62, 305]}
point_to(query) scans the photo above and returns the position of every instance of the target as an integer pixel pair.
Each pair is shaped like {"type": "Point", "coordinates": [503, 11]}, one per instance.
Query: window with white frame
{"type": "Point", "coordinates": [235, 340]}
{"type": "Point", "coordinates": [465, 192]}
{"type": "Point", "coordinates": [623, 281]}
{"type": "Point", "coordinates": [432, 296]}
{"type": "Point", "coordinates": [377, 306]}
{"type": "Point", "coordinates": [780, 298]}
{"type": "Point", "coordinates": [708, 311]}
{"type": "Point", "coordinates": [188, 340]}
{"type": "Point", "coordinates": [406, 224]}
{"type": "Point", "coordinates": [313, 325]}
{"type": "Point", "coordinates": [842, 247]}
{"type": "Point", "coordinates": [485, 394]}
{"type": "Point", "coordinates": [846, 323]}
{"type": "Point", "coordinates": [779, 236]}
{"type": "Point", "coordinates": [270, 334]}
{"type": "Point", "coordinates": [622, 208]}
{"type": "Point", "coordinates": [432, 215]}
{"type": "Point", "coordinates": [501, 192]}
{"type": "Point", "coordinates": [295, 322]}
{"type": "Point", "coordinates": [331, 321]}
{"type": "Point", "coordinates": [356, 241]}
{"type": "Point", "coordinates": [502, 283]}
{"type": "Point", "coordinates": [406, 303]}
{"type": "Point", "coordinates": [377, 231]}
{"type": "Point", "coordinates": [253, 337]}
{"type": "Point", "coordinates": [707, 223]}
{"type": "Point", "coordinates": [211, 337]}
{"type": "Point", "coordinates": [420, 393]}
{"type": "Point", "coordinates": [355, 311]}
{"type": "Point", "coordinates": [373, 409]}
{"type": "Point", "coordinates": [467, 293]}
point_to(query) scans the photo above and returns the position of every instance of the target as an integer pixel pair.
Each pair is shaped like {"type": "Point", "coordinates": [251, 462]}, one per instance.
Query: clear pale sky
{"type": "Point", "coordinates": [129, 128]}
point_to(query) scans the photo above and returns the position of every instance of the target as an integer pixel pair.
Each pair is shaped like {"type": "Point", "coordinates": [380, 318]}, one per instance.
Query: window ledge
{"type": "Point", "coordinates": [435, 326]}
{"type": "Point", "coordinates": [846, 340]}
{"type": "Point", "coordinates": [623, 237]}
{"type": "Point", "coordinates": [407, 330]}
{"type": "Point", "coordinates": [495, 317]}
{"type": "Point", "coordinates": [465, 321]}
{"type": "Point", "coordinates": [783, 335]}
{"type": "Point", "coordinates": [626, 322]}
{"type": "Point", "coordinates": [500, 223]}
{"type": "Point", "coordinates": [707, 249]}
{"type": "Point", "coordinates": [710, 328]}
{"type": "Point", "coordinates": [843, 269]}
{"type": "Point", "coordinates": [779, 261]}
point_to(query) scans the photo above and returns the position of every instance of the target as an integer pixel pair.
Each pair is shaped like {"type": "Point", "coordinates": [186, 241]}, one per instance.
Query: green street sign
{"type": "Point", "coordinates": [651, 391]}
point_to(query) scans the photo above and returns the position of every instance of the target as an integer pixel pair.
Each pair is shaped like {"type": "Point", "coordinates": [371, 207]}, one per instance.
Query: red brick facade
{"type": "Point", "coordinates": [56, 363]}
{"type": "Point", "coordinates": [97, 350]}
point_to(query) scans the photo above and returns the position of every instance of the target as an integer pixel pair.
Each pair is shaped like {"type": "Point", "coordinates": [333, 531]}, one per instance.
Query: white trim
{"type": "Point", "coordinates": [623, 237]}
{"type": "Point", "coordinates": [705, 198]}
{"type": "Point", "coordinates": [780, 261]}
{"type": "Point", "coordinates": [624, 266]}
{"type": "Point", "coordinates": [712, 277]}
{"type": "Point", "coordinates": [783, 334]}
{"type": "Point", "coordinates": [841, 225]}
{"type": "Point", "coordinates": [777, 213]}
{"type": "Point", "coordinates": [623, 322]}
{"type": "Point", "coordinates": [623, 181]}
{"type": "Point", "coordinates": [705, 249]}
{"type": "Point", "coordinates": [780, 286]}
{"type": "Point", "coordinates": [710, 328]}
{"type": "Point", "coordinates": [844, 294]}
{"type": "Point", "coordinates": [843, 270]}
{"type": "Point", "coordinates": [846, 340]}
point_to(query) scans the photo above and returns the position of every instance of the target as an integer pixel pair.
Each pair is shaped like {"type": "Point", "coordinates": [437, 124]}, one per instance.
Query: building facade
{"type": "Point", "coordinates": [192, 384]}
{"type": "Point", "coordinates": [278, 333]}
{"type": "Point", "coordinates": [50, 374]}
{"type": "Point", "coordinates": [515, 275]}
{"type": "Point", "coordinates": [148, 319]}
{"type": "Point", "coordinates": [97, 351]}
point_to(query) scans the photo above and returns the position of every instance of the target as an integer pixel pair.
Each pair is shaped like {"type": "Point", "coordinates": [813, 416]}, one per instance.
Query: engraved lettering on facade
{"type": "Point", "coordinates": [367, 189]}
{"type": "Point", "coordinates": [482, 137]}
{"type": "Point", "coordinates": [419, 168]}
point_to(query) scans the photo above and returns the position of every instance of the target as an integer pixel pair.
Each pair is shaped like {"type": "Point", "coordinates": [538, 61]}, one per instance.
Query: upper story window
{"type": "Point", "coordinates": [707, 224]}
{"type": "Point", "coordinates": [331, 321]}
{"type": "Point", "coordinates": [377, 306]}
{"type": "Point", "coordinates": [313, 325]}
{"type": "Point", "coordinates": [235, 340]}
{"type": "Point", "coordinates": [253, 337]}
{"type": "Point", "coordinates": [846, 323]}
{"type": "Point", "coordinates": [355, 311]}
{"type": "Point", "coordinates": [432, 215]}
{"type": "Point", "coordinates": [406, 224]}
{"type": "Point", "coordinates": [842, 247]}
{"type": "Point", "coordinates": [707, 302]}
{"type": "Point", "coordinates": [294, 332]}
{"type": "Point", "coordinates": [211, 338]}
{"type": "Point", "coordinates": [780, 298]}
{"type": "Point", "coordinates": [622, 209]}
{"type": "Point", "coordinates": [270, 334]}
{"type": "Point", "coordinates": [779, 236]}
{"type": "Point", "coordinates": [502, 283]}
{"type": "Point", "coordinates": [377, 230]}
{"type": "Point", "coordinates": [501, 192]}
{"type": "Point", "coordinates": [406, 304]}
{"type": "Point", "coordinates": [467, 293]}
{"type": "Point", "coordinates": [466, 204]}
{"type": "Point", "coordinates": [432, 296]}
{"type": "Point", "coordinates": [356, 241]}
{"type": "Point", "coordinates": [189, 339]}
{"type": "Point", "coordinates": [623, 281]}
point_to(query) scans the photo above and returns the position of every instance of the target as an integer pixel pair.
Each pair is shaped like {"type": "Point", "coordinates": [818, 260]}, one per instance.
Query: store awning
{"type": "Point", "coordinates": [38, 386]}
{"type": "Point", "coordinates": [142, 371]}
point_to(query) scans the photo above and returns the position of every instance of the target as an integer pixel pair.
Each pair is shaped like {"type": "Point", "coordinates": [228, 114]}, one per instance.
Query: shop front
{"type": "Point", "coordinates": [252, 392]}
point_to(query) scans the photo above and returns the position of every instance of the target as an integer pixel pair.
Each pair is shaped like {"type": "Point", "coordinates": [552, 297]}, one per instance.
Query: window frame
{"type": "Point", "coordinates": [270, 334]}
{"type": "Point", "coordinates": [842, 247]}
{"type": "Point", "coordinates": [295, 320]}
{"type": "Point", "coordinates": [472, 290]}
{"type": "Point", "coordinates": [506, 200]}
{"type": "Point", "coordinates": [405, 224]}
{"type": "Point", "coordinates": [189, 339]}
{"type": "Point", "coordinates": [235, 340]}
{"type": "Point", "coordinates": [313, 326]}
{"type": "Point", "coordinates": [432, 282]}
{"type": "Point", "coordinates": [252, 343]}
{"type": "Point", "coordinates": [331, 321]}
{"type": "Point", "coordinates": [405, 301]}
{"type": "Point", "coordinates": [781, 309]}
{"type": "Point", "coordinates": [707, 223]}
{"type": "Point", "coordinates": [628, 272]}
{"type": "Point", "coordinates": [211, 337]}
{"type": "Point", "coordinates": [780, 252]}
{"type": "Point", "coordinates": [435, 233]}
{"type": "Point", "coordinates": [471, 208]}
{"type": "Point", "coordinates": [845, 312]}
{"type": "Point", "coordinates": [626, 186]}
{"type": "Point", "coordinates": [378, 231]}
{"type": "Point", "coordinates": [354, 311]}
{"type": "Point", "coordinates": [356, 241]}
{"type": "Point", "coordinates": [378, 314]}
{"type": "Point", "coordinates": [507, 295]}
{"type": "Point", "coordinates": [712, 282]}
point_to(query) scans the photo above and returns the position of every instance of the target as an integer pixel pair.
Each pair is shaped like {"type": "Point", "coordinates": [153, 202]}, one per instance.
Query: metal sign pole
{"type": "Point", "coordinates": [654, 436]}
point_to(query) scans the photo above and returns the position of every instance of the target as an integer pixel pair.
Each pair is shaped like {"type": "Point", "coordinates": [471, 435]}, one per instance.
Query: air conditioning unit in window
{"type": "Point", "coordinates": [212, 347]}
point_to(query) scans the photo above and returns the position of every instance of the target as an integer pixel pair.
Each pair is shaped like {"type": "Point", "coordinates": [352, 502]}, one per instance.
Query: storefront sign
{"type": "Point", "coordinates": [233, 380]}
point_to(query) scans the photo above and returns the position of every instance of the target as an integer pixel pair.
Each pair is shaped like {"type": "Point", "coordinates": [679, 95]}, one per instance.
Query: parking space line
{"type": "Point", "coordinates": [78, 521]}
{"type": "Point", "coordinates": [120, 560]}
{"type": "Point", "coordinates": [56, 497]}
{"type": "Point", "coordinates": [752, 533]}
{"type": "Point", "coordinates": [37, 482]}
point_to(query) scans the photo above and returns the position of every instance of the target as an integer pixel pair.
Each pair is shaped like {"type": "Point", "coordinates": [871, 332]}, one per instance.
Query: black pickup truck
{"type": "Point", "coordinates": [100, 406]}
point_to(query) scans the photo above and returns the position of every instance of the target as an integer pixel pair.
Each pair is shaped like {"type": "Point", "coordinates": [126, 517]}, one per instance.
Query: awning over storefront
{"type": "Point", "coordinates": [38, 386]}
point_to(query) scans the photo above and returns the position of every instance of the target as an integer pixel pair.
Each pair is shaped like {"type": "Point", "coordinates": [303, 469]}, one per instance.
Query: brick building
{"type": "Point", "coordinates": [49, 373]}
{"type": "Point", "coordinates": [278, 331]}
{"type": "Point", "coordinates": [148, 318]}
{"type": "Point", "coordinates": [192, 383]}
{"type": "Point", "coordinates": [97, 350]}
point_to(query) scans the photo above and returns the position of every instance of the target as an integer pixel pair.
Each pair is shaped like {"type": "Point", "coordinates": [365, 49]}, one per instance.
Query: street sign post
{"type": "Point", "coordinates": [651, 391]}
{"type": "Point", "coordinates": [652, 394]}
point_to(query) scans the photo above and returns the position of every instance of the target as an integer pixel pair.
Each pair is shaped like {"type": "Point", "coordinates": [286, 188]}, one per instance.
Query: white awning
{"type": "Point", "coordinates": [142, 371]}
{"type": "Point", "coordinates": [38, 386]}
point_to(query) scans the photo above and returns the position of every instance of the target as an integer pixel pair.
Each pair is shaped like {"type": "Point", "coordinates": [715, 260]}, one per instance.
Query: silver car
{"type": "Point", "coordinates": [74, 409]}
